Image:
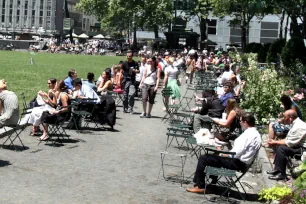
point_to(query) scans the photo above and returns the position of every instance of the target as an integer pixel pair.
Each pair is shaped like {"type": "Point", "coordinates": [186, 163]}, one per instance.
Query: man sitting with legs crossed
{"type": "Point", "coordinates": [294, 143]}
{"type": "Point", "coordinates": [245, 147]}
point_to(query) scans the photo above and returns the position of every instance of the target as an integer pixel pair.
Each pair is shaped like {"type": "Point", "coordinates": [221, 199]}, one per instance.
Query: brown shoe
{"type": "Point", "coordinates": [196, 189]}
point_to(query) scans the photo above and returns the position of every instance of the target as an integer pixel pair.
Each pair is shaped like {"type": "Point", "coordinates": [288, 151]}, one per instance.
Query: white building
{"type": "Point", "coordinates": [36, 16]}
{"type": "Point", "coordinates": [264, 30]}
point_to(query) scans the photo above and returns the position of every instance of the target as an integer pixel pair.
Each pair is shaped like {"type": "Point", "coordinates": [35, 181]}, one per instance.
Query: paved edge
{"type": "Point", "coordinates": [266, 165]}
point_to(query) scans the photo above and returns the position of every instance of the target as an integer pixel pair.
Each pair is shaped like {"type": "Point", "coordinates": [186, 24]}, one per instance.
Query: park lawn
{"type": "Point", "coordinates": [22, 77]}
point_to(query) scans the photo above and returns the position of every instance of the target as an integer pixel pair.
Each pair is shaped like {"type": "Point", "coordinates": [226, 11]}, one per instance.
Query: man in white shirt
{"type": "Point", "coordinates": [294, 143]}
{"type": "Point", "coordinates": [84, 91]}
{"type": "Point", "coordinates": [246, 146]}
{"type": "Point", "coordinates": [227, 73]}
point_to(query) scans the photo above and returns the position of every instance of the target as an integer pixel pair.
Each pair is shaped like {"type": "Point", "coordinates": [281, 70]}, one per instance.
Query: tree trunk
{"type": "Point", "coordinates": [134, 37]}
{"type": "Point", "coordinates": [67, 15]}
{"type": "Point", "coordinates": [286, 27]}
{"type": "Point", "coordinates": [304, 26]}
{"type": "Point", "coordinates": [156, 31]}
{"type": "Point", "coordinates": [294, 27]}
{"type": "Point", "coordinates": [203, 29]}
{"type": "Point", "coordinates": [243, 27]}
{"type": "Point", "coordinates": [281, 24]}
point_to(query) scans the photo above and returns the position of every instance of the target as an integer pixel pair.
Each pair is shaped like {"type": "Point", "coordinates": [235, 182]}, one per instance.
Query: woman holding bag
{"type": "Point", "coordinates": [171, 81]}
{"type": "Point", "coordinates": [149, 85]}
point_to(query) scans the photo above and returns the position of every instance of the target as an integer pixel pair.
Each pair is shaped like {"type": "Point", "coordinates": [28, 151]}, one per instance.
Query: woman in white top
{"type": "Point", "coordinates": [171, 81]}
{"type": "Point", "coordinates": [149, 83]}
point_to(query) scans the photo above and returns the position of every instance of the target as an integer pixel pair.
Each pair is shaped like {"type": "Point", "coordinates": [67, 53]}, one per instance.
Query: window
{"type": "Point", "coordinates": [212, 27]}
{"type": "Point", "coordinates": [48, 13]}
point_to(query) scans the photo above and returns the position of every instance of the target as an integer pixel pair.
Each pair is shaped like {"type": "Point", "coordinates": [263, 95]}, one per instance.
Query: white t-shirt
{"type": "Point", "coordinates": [226, 75]}
{"type": "Point", "coordinates": [87, 92]}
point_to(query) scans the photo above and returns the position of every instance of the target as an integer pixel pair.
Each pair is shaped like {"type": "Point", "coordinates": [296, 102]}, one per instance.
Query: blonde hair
{"type": "Point", "coordinates": [3, 85]}
{"type": "Point", "coordinates": [171, 60]}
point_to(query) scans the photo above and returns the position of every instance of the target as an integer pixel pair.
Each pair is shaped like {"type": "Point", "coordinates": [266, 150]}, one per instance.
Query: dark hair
{"type": "Point", "coordinates": [226, 67]}
{"type": "Point", "coordinates": [120, 62]}
{"type": "Point", "coordinates": [108, 74]}
{"type": "Point", "coordinates": [129, 52]}
{"type": "Point", "coordinates": [248, 118]}
{"type": "Point", "coordinates": [154, 62]}
{"type": "Point", "coordinates": [71, 72]}
{"type": "Point", "coordinates": [52, 80]}
{"type": "Point", "coordinates": [77, 81]}
{"type": "Point", "coordinates": [228, 83]}
{"type": "Point", "coordinates": [286, 101]}
{"type": "Point", "coordinates": [61, 85]}
{"type": "Point", "coordinates": [208, 93]}
{"type": "Point", "coordinates": [108, 70]}
{"type": "Point", "coordinates": [90, 76]}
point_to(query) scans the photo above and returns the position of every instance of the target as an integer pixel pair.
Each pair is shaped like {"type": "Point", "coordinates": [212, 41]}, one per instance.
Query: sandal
{"type": "Point", "coordinates": [44, 139]}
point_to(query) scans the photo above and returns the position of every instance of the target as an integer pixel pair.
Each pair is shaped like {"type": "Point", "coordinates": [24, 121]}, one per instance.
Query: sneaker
{"type": "Point", "coordinates": [143, 115]}
{"type": "Point", "coordinates": [125, 111]}
{"type": "Point", "coordinates": [149, 116]}
{"type": "Point", "coordinates": [131, 112]}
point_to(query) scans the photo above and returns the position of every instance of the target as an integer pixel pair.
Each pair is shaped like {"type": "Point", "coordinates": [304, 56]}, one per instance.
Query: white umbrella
{"type": "Point", "coordinates": [73, 35]}
{"type": "Point", "coordinates": [83, 36]}
{"type": "Point", "coordinates": [100, 36]}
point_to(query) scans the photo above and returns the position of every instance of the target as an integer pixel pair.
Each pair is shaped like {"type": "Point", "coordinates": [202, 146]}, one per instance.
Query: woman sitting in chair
{"type": "Point", "coordinates": [9, 108]}
{"type": "Point", "coordinates": [117, 76]}
{"type": "Point", "coordinates": [50, 103]}
{"type": "Point", "coordinates": [59, 114]}
{"type": "Point", "coordinates": [232, 124]}
{"type": "Point", "coordinates": [106, 83]}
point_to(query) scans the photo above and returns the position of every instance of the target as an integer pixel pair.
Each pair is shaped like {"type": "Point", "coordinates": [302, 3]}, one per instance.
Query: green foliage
{"type": "Point", "coordinates": [262, 54]}
{"type": "Point", "coordinates": [274, 193]}
{"type": "Point", "coordinates": [262, 91]}
{"type": "Point", "coordinates": [276, 47]}
{"type": "Point", "coordinates": [294, 49]}
{"type": "Point", "coordinates": [121, 15]}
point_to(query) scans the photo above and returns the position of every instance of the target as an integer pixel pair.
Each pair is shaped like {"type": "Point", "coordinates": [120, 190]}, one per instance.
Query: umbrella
{"type": "Point", "coordinates": [100, 36]}
{"type": "Point", "coordinates": [73, 35]}
{"type": "Point", "coordinates": [83, 36]}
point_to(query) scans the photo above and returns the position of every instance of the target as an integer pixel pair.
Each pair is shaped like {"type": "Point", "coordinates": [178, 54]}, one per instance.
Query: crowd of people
{"type": "Point", "coordinates": [218, 106]}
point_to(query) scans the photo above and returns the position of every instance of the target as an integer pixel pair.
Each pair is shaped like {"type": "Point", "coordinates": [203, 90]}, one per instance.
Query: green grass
{"type": "Point", "coordinates": [21, 76]}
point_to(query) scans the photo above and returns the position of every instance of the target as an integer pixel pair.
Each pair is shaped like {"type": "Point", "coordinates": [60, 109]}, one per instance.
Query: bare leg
{"type": "Point", "coordinates": [167, 101]}
{"type": "Point", "coordinates": [45, 134]}
{"type": "Point", "coordinates": [150, 108]}
{"type": "Point", "coordinates": [144, 107]}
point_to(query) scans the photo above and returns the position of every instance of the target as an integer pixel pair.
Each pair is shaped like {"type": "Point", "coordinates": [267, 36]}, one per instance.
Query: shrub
{"type": "Point", "coordinates": [262, 91]}
{"type": "Point", "coordinates": [275, 193]}
{"type": "Point", "coordinates": [294, 49]}
{"type": "Point", "coordinates": [276, 47]}
{"type": "Point", "coordinates": [262, 54]}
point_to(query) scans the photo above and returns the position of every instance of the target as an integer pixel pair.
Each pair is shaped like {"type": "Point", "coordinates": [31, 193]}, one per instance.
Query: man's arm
{"type": "Point", "coordinates": [277, 142]}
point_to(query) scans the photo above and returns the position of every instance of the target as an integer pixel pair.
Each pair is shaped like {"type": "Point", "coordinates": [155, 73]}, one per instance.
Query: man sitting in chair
{"type": "Point", "coordinates": [294, 143]}
{"type": "Point", "coordinates": [9, 108]}
{"type": "Point", "coordinates": [211, 108]}
{"type": "Point", "coordinates": [245, 147]}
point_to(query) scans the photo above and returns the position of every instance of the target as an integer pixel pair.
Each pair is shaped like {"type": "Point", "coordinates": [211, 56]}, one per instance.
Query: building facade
{"type": "Point", "coordinates": [41, 17]}
{"type": "Point", "coordinates": [265, 30]}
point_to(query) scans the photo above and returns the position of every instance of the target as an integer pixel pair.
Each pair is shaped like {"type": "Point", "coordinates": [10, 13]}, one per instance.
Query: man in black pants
{"type": "Point", "coordinates": [245, 147]}
{"type": "Point", "coordinates": [294, 143]}
{"type": "Point", "coordinates": [129, 70]}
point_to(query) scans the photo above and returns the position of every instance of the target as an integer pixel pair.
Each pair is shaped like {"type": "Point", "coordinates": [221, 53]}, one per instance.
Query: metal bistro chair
{"type": "Point", "coordinates": [15, 132]}
{"type": "Point", "coordinates": [231, 177]}
{"type": "Point", "coordinates": [170, 109]}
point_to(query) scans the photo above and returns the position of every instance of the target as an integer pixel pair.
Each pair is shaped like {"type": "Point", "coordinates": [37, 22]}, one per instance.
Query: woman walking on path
{"type": "Point", "coordinates": [149, 85]}
{"type": "Point", "coordinates": [171, 81]}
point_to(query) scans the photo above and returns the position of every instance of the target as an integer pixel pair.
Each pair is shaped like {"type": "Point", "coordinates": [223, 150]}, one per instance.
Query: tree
{"type": "Point", "coordinates": [201, 9]}
{"type": "Point", "coordinates": [119, 16]}
{"type": "Point", "coordinates": [242, 12]}
{"type": "Point", "coordinates": [157, 15]}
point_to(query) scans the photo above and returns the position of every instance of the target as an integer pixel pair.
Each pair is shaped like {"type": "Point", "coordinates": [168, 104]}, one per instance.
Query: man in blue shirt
{"type": "Point", "coordinates": [72, 74]}
{"type": "Point", "coordinates": [228, 92]}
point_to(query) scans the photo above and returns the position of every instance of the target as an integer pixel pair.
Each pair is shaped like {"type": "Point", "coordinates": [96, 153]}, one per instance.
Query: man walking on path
{"type": "Point", "coordinates": [129, 70]}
